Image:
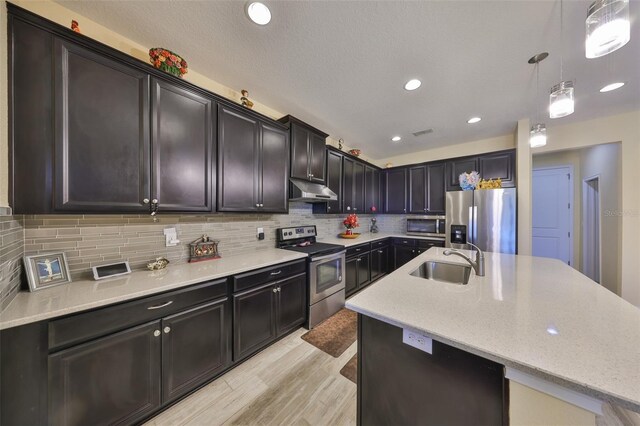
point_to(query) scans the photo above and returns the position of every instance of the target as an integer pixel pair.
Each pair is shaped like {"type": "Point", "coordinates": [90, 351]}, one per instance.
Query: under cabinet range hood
{"type": "Point", "coordinates": [302, 190]}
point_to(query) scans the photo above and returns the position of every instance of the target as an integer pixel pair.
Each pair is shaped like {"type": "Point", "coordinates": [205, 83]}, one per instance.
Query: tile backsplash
{"type": "Point", "coordinates": [11, 252]}
{"type": "Point", "coordinates": [90, 240]}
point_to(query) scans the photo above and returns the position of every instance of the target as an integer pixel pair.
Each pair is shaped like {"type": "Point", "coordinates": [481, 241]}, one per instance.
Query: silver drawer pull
{"type": "Point", "coordinates": [275, 290]}
{"type": "Point", "coordinates": [276, 273]}
{"type": "Point", "coordinates": [160, 306]}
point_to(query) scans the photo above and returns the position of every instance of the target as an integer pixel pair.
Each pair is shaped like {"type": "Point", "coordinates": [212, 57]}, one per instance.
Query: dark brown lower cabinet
{"type": "Point", "coordinates": [263, 314]}
{"type": "Point", "coordinates": [403, 255]}
{"type": "Point", "coordinates": [357, 273]}
{"type": "Point", "coordinates": [379, 262]}
{"type": "Point", "coordinates": [401, 385]}
{"type": "Point", "coordinates": [351, 272]}
{"type": "Point", "coordinates": [113, 380]}
{"type": "Point", "coordinates": [196, 345]}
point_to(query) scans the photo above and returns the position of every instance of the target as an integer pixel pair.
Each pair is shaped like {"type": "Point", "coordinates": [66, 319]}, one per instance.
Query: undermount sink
{"type": "Point", "coordinates": [454, 273]}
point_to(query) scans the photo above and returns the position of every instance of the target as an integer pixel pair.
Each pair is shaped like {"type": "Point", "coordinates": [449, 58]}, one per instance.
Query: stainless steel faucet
{"type": "Point", "coordinates": [477, 266]}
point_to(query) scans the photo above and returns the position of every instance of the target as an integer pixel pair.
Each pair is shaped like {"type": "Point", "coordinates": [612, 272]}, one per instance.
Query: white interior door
{"type": "Point", "coordinates": [552, 213]}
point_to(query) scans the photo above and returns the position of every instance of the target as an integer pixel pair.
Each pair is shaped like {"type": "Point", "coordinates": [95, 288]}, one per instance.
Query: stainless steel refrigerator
{"type": "Point", "coordinates": [486, 218]}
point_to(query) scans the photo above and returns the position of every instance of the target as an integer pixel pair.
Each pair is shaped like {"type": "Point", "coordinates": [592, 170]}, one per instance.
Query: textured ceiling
{"type": "Point", "coordinates": [341, 65]}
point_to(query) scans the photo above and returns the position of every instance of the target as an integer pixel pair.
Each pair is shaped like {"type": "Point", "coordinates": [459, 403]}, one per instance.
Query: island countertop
{"type": "Point", "coordinates": [533, 314]}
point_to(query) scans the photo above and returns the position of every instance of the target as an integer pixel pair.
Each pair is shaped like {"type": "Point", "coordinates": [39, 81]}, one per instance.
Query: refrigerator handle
{"type": "Point", "coordinates": [475, 226]}
{"type": "Point", "coordinates": [470, 226]}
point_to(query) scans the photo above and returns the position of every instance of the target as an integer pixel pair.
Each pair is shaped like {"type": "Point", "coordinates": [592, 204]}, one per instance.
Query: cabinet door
{"type": "Point", "coordinates": [238, 174]}
{"type": "Point", "coordinates": [274, 162]}
{"type": "Point", "coordinates": [292, 301]}
{"type": "Point", "coordinates": [317, 153]}
{"type": "Point", "coordinates": [351, 271]}
{"type": "Point", "coordinates": [395, 191]}
{"type": "Point", "coordinates": [254, 320]}
{"type": "Point", "coordinates": [499, 166]}
{"type": "Point", "coordinates": [115, 379]}
{"type": "Point", "coordinates": [358, 187]}
{"type": "Point", "coordinates": [457, 167]}
{"type": "Point", "coordinates": [334, 181]}
{"type": "Point", "coordinates": [364, 275]}
{"type": "Point", "coordinates": [379, 262]}
{"type": "Point", "coordinates": [372, 189]}
{"type": "Point", "coordinates": [348, 199]}
{"type": "Point", "coordinates": [403, 255]}
{"type": "Point", "coordinates": [182, 146]}
{"type": "Point", "coordinates": [299, 152]}
{"type": "Point", "coordinates": [436, 189]}
{"type": "Point", "coordinates": [196, 345]}
{"type": "Point", "coordinates": [418, 189]}
{"type": "Point", "coordinates": [102, 133]}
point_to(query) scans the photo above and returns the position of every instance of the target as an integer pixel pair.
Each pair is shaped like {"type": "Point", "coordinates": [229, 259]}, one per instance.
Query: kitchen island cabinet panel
{"type": "Point", "coordinates": [115, 379]}
{"type": "Point", "coordinates": [182, 146]}
{"type": "Point", "coordinates": [402, 384]}
{"type": "Point", "coordinates": [102, 156]}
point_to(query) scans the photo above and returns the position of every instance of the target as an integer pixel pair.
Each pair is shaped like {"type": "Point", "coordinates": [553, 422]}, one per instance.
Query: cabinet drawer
{"type": "Point", "coordinates": [89, 325]}
{"type": "Point", "coordinates": [379, 244]}
{"type": "Point", "coordinates": [271, 273]}
{"type": "Point", "coordinates": [359, 249]}
{"type": "Point", "coordinates": [430, 243]}
{"type": "Point", "coordinates": [408, 242]}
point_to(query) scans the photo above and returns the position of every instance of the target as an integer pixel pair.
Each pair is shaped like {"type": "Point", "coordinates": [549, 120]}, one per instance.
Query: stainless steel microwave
{"type": "Point", "coordinates": [428, 226]}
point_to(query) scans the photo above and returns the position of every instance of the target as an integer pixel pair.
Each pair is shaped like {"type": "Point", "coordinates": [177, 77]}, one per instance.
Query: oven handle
{"type": "Point", "coordinates": [329, 256]}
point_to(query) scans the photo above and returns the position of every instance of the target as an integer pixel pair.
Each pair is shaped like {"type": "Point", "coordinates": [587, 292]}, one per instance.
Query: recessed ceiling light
{"type": "Point", "coordinates": [612, 86]}
{"type": "Point", "coordinates": [412, 84]}
{"type": "Point", "coordinates": [259, 13]}
{"type": "Point", "coordinates": [396, 138]}
{"type": "Point", "coordinates": [473, 120]}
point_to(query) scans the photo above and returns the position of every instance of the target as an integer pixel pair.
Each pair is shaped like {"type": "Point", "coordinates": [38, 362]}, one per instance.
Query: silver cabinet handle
{"type": "Point", "coordinates": [404, 242]}
{"type": "Point", "coordinates": [156, 333]}
{"type": "Point", "coordinates": [276, 273]}
{"type": "Point", "coordinates": [145, 201]}
{"type": "Point", "coordinates": [275, 290]}
{"type": "Point", "coordinates": [279, 289]}
{"type": "Point", "coordinates": [160, 306]}
{"type": "Point", "coordinates": [404, 210]}
{"type": "Point", "coordinates": [154, 201]}
{"type": "Point", "coordinates": [328, 207]}
{"type": "Point", "coordinates": [380, 251]}
{"type": "Point", "coordinates": [167, 329]}
{"type": "Point", "coordinates": [261, 205]}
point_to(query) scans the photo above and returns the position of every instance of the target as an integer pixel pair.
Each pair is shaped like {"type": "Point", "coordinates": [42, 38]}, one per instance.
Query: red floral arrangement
{"type": "Point", "coordinates": [350, 222]}
{"type": "Point", "coordinates": [168, 61]}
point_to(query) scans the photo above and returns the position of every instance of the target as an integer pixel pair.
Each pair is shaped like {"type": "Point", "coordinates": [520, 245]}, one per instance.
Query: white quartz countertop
{"type": "Point", "coordinates": [369, 237]}
{"type": "Point", "coordinates": [81, 295]}
{"type": "Point", "coordinates": [510, 315]}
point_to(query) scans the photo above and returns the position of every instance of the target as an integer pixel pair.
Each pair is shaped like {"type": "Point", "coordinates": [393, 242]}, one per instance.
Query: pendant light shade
{"type": "Point", "coordinates": [608, 27]}
{"type": "Point", "coordinates": [538, 135]}
{"type": "Point", "coordinates": [561, 101]}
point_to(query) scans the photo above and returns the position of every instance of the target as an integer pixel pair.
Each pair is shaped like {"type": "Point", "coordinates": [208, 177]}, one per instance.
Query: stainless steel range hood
{"type": "Point", "coordinates": [302, 190]}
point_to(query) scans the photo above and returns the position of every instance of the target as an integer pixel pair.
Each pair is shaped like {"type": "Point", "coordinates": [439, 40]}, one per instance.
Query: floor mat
{"type": "Point", "coordinates": [335, 334]}
{"type": "Point", "coordinates": [350, 369]}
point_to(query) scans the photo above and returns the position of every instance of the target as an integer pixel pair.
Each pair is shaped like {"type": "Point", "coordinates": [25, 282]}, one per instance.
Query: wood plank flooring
{"type": "Point", "coordinates": [289, 383]}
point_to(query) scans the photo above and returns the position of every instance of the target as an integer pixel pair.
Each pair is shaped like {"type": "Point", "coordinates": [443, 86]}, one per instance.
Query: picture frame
{"type": "Point", "coordinates": [46, 270]}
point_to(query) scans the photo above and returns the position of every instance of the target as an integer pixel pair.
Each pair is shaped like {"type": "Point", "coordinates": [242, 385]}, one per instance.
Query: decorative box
{"type": "Point", "coordinates": [204, 248]}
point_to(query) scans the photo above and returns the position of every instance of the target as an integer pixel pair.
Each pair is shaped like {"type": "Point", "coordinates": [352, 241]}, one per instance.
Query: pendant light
{"type": "Point", "coordinates": [608, 27]}
{"type": "Point", "coordinates": [561, 102]}
{"type": "Point", "coordinates": [538, 132]}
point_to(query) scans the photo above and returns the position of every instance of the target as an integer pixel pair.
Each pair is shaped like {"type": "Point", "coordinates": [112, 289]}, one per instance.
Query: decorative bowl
{"type": "Point", "coordinates": [167, 61]}
{"type": "Point", "coordinates": [355, 152]}
{"type": "Point", "coordinates": [349, 236]}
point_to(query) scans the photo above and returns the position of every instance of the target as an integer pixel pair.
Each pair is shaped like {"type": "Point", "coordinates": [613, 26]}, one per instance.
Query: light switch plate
{"type": "Point", "coordinates": [171, 237]}
{"type": "Point", "coordinates": [417, 340]}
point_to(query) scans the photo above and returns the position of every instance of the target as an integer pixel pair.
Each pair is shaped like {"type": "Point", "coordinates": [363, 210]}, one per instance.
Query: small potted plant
{"type": "Point", "coordinates": [350, 223]}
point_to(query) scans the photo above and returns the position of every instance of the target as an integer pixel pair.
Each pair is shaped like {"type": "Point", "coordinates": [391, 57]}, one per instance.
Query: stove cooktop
{"type": "Point", "coordinates": [316, 249]}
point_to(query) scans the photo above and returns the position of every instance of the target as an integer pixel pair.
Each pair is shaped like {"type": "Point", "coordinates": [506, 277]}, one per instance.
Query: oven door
{"type": "Point", "coordinates": [326, 276]}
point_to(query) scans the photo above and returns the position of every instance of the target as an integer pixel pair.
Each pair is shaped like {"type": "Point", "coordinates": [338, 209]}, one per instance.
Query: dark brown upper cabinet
{"type": "Point", "coordinates": [308, 150]}
{"type": "Point", "coordinates": [353, 186]}
{"type": "Point", "coordinates": [102, 157]}
{"type": "Point", "coordinates": [426, 189]}
{"type": "Point", "coordinates": [436, 191]}
{"type": "Point", "coordinates": [395, 190]}
{"type": "Point", "coordinates": [458, 166]}
{"type": "Point", "coordinates": [253, 164]}
{"type": "Point", "coordinates": [372, 189]}
{"type": "Point", "coordinates": [417, 189]}
{"type": "Point", "coordinates": [182, 146]}
{"type": "Point", "coordinates": [499, 165]}
{"type": "Point", "coordinates": [334, 182]}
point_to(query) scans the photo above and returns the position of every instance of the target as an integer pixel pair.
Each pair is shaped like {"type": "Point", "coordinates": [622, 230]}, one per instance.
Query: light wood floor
{"type": "Point", "coordinates": [289, 383]}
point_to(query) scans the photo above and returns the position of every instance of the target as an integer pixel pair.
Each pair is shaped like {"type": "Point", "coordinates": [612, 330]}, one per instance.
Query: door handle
{"type": "Point", "coordinates": [163, 305]}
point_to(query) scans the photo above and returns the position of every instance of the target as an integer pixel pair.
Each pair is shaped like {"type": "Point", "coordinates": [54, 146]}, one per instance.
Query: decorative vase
{"type": "Point", "coordinates": [167, 61]}
{"type": "Point", "coordinates": [348, 232]}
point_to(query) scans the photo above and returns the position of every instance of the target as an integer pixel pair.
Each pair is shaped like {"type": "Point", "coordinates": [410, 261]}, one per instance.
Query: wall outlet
{"type": "Point", "coordinates": [171, 237]}
{"type": "Point", "coordinates": [260, 233]}
{"type": "Point", "coordinates": [417, 340]}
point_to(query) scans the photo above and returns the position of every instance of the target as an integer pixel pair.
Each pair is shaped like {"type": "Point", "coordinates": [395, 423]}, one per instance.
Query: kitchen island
{"type": "Point", "coordinates": [553, 329]}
